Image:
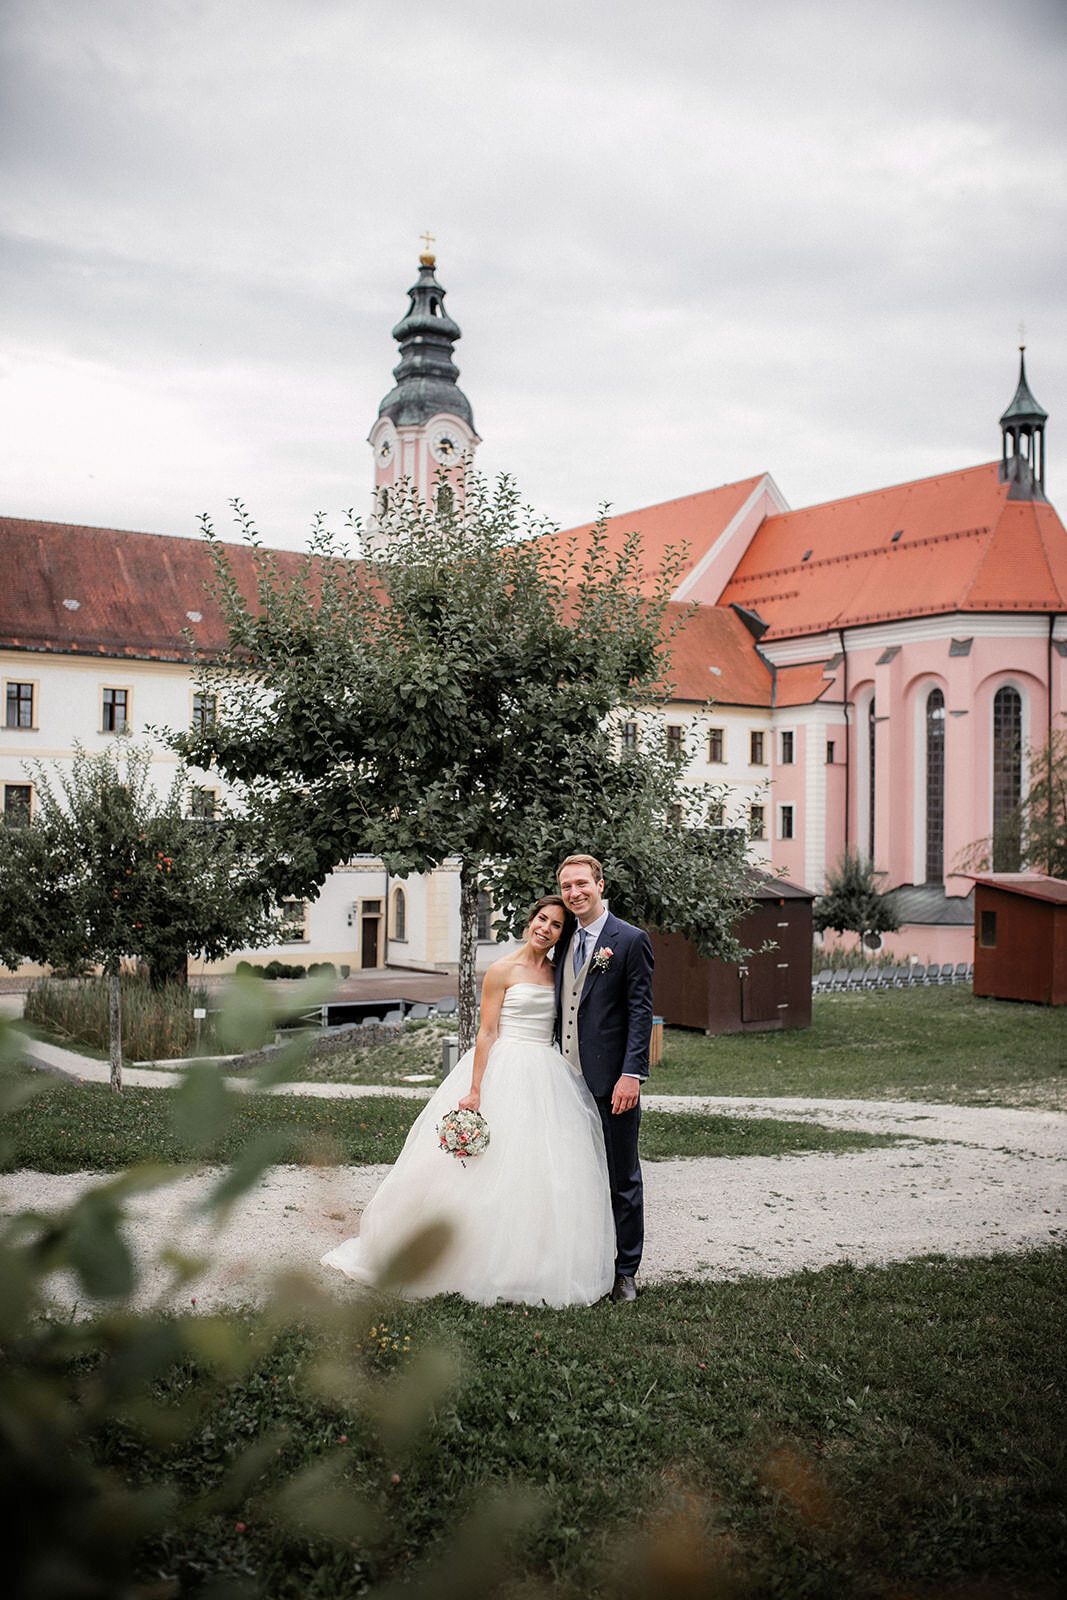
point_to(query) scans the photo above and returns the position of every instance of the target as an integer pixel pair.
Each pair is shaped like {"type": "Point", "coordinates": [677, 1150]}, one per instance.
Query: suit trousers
{"type": "Point", "coordinates": [627, 1189]}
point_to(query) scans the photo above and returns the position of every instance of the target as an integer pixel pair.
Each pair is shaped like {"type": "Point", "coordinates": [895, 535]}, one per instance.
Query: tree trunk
{"type": "Point", "coordinates": [115, 1030]}
{"type": "Point", "coordinates": [468, 951]}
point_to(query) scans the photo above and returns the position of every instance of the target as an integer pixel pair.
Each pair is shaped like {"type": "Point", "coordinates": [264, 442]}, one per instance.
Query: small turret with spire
{"type": "Point", "coordinates": [425, 427]}
{"type": "Point", "coordinates": [1023, 425]}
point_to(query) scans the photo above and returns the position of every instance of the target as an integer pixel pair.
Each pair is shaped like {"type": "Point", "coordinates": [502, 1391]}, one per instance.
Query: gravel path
{"type": "Point", "coordinates": [970, 1180]}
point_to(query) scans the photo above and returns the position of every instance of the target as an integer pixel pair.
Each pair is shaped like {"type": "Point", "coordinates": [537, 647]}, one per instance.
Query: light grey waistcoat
{"type": "Point", "coordinates": [570, 997]}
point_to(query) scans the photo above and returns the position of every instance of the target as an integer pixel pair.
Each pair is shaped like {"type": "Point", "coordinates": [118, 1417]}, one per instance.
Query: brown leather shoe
{"type": "Point", "coordinates": [624, 1289]}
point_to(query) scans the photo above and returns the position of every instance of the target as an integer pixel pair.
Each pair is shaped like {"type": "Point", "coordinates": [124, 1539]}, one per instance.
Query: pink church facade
{"type": "Point", "coordinates": [915, 641]}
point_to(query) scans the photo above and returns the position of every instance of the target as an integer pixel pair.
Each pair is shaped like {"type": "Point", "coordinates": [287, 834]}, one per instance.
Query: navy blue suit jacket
{"type": "Point", "coordinates": [615, 1013]}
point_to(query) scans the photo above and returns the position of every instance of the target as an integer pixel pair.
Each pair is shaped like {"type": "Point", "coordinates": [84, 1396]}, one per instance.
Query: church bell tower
{"type": "Point", "coordinates": [1022, 429]}
{"type": "Point", "coordinates": [425, 427]}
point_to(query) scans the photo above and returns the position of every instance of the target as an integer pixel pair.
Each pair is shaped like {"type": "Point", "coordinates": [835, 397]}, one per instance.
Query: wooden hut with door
{"type": "Point", "coordinates": [1020, 937]}
{"type": "Point", "coordinates": [772, 989]}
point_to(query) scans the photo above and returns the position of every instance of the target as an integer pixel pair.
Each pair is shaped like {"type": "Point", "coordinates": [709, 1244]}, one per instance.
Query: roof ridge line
{"type": "Point", "coordinates": [889, 488]}
{"type": "Point", "coordinates": [1044, 551]}
{"type": "Point", "coordinates": [863, 555]}
{"type": "Point", "coordinates": [986, 554]}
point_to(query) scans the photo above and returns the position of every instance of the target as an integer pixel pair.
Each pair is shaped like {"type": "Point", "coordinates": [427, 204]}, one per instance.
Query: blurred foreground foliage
{"type": "Point", "coordinates": [79, 1525]}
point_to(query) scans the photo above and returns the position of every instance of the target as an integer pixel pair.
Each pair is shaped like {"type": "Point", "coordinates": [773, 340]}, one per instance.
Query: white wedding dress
{"type": "Point", "coordinates": [531, 1216]}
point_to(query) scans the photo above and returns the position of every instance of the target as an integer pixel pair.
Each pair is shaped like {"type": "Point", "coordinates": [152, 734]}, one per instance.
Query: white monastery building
{"type": "Point", "coordinates": [877, 667]}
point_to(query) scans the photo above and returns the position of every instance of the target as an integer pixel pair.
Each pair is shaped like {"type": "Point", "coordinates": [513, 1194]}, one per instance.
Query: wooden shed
{"type": "Point", "coordinates": [771, 990]}
{"type": "Point", "coordinates": [1020, 937]}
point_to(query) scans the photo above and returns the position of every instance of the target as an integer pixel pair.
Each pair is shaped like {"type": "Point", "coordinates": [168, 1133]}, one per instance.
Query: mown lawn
{"type": "Point", "coordinates": [940, 1044]}
{"type": "Point", "coordinates": [887, 1432]}
{"type": "Point", "coordinates": [84, 1127]}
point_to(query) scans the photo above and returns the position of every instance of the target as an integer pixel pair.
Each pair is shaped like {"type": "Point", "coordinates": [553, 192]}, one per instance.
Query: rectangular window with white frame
{"type": "Point", "coordinates": [204, 804]}
{"type": "Point", "coordinates": [485, 916]}
{"type": "Point", "coordinates": [757, 822]}
{"type": "Point", "coordinates": [787, 747]}
{"type": "Point", "coordinates": [203, 712]}
{"type": "Point", "coordinates": [115, 710]}
{"type": "Point", "coordinates": [675, 733]}
{"type": "Point", "coordinates": [20, 704]}
{"type": "Point", "coordinates": [756, 748]}
{"type": "Point", "coordinates": [18, 804]}
{"type": "Point", "coordinates": [785, 822]}
{"type": "Point", "coordinates": [296, 921]}
{"type": "Point", "coordinates": [628, 735]}
{"type": "Point", "coordinates": [717, 745]}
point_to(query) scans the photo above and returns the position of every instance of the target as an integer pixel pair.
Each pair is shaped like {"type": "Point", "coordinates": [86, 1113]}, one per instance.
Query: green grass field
{"type": "Point", "coordinates": [891, 1432]}
{"type": "Point", "coordinates": [888, 1433]}
{"type": "Point", "coordinates": [77, 1128]}
{"type": "Point", "coordinates": [938, 1044]}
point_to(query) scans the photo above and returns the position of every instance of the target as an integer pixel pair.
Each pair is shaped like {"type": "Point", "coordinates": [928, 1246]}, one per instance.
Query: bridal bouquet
{"type": "Point", "coordinates": [463, 1133]}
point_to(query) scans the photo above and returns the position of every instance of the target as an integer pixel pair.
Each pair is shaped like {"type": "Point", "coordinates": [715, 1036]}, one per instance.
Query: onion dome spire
{"type": "Point", "coordinates": [426, 373]}
{"type": "Point", "coordinates": [1024, 425]}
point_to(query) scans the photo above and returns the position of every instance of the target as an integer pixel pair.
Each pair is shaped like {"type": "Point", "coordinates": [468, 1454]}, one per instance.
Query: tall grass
{"type": "Point", "coordinates": [157, 1024]}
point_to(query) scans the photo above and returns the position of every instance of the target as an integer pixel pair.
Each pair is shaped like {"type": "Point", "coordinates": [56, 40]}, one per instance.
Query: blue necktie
{"type": "Point", "coordinates": [579, 951]}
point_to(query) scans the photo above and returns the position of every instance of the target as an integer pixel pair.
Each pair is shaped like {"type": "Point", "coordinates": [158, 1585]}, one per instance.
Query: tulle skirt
{"type": "Point", "coordinates": [530, 1218]}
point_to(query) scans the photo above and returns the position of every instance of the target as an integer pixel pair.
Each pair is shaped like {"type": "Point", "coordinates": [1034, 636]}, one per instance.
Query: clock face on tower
{"type": "Point", "coordinates": [445, 446]}
{"type": "Point", "coordinates": [385, 450]}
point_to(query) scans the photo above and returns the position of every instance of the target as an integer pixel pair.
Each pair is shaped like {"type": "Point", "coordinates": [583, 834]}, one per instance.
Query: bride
{"type": "Point", "coordinates": [531, 1216]}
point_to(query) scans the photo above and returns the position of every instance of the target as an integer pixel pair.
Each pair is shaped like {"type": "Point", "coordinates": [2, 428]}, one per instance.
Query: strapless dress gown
{"type": "Point", "coordinates": [531, 1217]}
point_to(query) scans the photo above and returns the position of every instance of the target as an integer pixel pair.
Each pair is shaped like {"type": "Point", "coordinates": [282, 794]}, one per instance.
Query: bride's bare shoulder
{"type": "Point", "coordinates": [504, 968]}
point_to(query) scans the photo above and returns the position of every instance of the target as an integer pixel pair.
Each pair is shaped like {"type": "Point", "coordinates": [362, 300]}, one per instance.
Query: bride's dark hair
{"type": "Point", "coordinates": [569, 919]}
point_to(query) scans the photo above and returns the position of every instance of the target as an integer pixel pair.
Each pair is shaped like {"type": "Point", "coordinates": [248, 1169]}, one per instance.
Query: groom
{"type": "Point", "coordinates": [604, 1009]}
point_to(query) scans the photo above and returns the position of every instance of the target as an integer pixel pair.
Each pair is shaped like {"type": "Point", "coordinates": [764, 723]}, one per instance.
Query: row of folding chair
{"type": "Point", "coordinates": [911, 976]}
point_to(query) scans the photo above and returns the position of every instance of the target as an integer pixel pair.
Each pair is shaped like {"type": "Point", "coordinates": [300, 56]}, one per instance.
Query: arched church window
{"type": "Point", "coordinates": [1007, 775]}
{"type": "Point", "coordinates": [445, 499]}
{"type": "Point", "coordinates": [400, 914]}
{"type": "Point", "coordinates": [935, 787]}
{"type": "Point", "coordinates": [383, 500]}
{"type": "Point", "coordinates": [872, 729]}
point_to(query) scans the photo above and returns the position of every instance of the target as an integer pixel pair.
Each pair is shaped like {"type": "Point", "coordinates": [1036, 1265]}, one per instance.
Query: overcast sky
{"type": "Point", "coordinates": [686, 242]}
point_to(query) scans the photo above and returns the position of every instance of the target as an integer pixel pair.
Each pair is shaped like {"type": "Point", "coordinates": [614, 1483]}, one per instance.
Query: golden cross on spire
{"type": "Point", "coordinates": [427, 240]}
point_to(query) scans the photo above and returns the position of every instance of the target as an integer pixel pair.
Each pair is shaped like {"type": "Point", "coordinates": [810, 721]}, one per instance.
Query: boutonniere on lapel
{"type": "Point", "coordinates": [602, 960]}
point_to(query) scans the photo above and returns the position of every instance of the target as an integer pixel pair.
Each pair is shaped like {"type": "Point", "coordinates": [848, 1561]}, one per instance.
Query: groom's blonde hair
{"type": "Point", "coordinates": [582, 861]}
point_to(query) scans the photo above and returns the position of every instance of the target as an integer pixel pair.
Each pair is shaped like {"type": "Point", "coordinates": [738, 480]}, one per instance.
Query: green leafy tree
{"type": "Point", "coordinates": [106, 872]}
{"type": "Point", "coordinates": [852, 901]}
{"type": "Point", "coordinates": [457, 694]}
{"type": "Point", "coordinates": [1033, 833]}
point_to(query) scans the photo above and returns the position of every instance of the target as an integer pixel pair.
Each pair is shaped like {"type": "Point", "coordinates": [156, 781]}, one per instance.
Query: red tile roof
{"type": "Point", "coordinates": [801, 685]}
{"type": "Point", "coordinates": [714, 659]}
{"type": "Point", "coordinates": [105, 592]}
{"type": "Point", "coordinates": [950, 543]}
{"type": "Point", "coordinates": [695, 520]}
